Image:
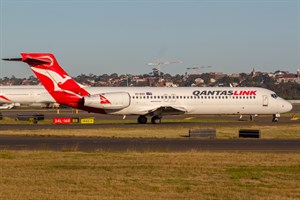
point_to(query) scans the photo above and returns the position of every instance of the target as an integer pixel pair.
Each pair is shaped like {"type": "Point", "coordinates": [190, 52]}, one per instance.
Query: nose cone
{"type": "Point", "coordinates": [287, 106]}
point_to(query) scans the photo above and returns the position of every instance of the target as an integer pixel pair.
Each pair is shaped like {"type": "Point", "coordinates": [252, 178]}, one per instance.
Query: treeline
{"type": "Point", "coordinates": [288, 90]}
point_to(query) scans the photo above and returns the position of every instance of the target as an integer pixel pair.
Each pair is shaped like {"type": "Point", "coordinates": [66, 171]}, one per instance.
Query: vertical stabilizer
{"type": "Point", "coordinates": [51, 75]}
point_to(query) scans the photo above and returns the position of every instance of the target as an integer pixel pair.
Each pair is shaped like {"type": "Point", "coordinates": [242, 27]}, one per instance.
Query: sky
{"type": "Point", "coordinates": [98, 37]}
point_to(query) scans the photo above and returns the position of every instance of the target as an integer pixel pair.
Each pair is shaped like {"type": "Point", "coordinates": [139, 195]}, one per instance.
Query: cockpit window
{"type": "Point", "coordinates": [274, 96]}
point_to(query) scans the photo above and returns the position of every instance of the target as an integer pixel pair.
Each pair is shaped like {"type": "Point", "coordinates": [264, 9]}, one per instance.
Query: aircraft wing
{"type": "Point", "coordinates": [167, 110]}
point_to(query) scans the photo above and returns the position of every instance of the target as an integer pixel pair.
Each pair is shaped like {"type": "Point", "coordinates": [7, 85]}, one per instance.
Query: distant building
{"type": "Point", "coordinates": [285, 77]}
{"type": "Point", "coordinates": [170, 84]}
{"type": "Point", "coordinates": [199, 81]}
{"type": "Point", "coordinates": [234, 75]}
{"type": "Point", "coordinates": [217, 75]}
{"type": "Point", "coordinates": [212, 80]}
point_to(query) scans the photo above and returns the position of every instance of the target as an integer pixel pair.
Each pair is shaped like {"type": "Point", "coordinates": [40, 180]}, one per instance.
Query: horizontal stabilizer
{"type": "Point", "coordinates": [30, 60]}
{"type": "Point", "coordinates": [12, 59]}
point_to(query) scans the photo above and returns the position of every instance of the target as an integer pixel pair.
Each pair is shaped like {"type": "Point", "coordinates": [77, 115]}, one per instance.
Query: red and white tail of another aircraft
{"type": "Point", "coordinates": [151, 101]}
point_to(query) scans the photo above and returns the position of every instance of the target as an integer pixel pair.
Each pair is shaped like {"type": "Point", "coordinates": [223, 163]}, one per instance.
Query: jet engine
{"type": "Point", "coordinates": [114, 100]}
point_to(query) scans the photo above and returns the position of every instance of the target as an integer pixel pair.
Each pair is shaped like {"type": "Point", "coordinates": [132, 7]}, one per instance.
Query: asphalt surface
{"type": "Point", "coordinates": [106, 120]}
{"type": "Point", "coordinates": [141, 144]}
{"type": "Point", "coordinates": [84, 144]}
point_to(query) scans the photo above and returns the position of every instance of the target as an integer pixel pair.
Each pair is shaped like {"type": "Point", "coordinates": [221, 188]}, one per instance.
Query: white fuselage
{"type": "Point", "coordinates": [25, 94]}
{"type": "Point", "coordinates": [189, 100]}
{"type": "Point", "coordinates": [220, 100]}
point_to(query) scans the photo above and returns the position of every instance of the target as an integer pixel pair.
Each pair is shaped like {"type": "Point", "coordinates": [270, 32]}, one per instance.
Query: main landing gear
{"type": "Point", "coordinates": [156, 120]}
{"type": "Point", "coordinates": [142, 119]}
{"type": "Point", "coordinates": [252, 117]}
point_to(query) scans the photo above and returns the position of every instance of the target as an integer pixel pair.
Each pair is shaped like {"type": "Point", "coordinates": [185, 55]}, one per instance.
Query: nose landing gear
{"type": "Point", "coordinates": [276, 117]}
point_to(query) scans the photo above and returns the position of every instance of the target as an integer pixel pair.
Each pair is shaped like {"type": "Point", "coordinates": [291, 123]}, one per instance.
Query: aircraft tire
{"type": "Point", "coordinates": [142, 119]}
{"type": "Point", "coordinates": [275, 119]}
{"type": "Point", "coordinates": [155, 120]}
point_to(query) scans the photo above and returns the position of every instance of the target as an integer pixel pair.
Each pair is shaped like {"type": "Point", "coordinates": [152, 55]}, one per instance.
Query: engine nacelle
{"type": "Point", "coordinates": [114, 100]}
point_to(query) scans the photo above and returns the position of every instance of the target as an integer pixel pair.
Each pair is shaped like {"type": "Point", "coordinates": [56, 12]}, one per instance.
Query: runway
{"type": "Point", "coordinates": [84, 144]}
{"type": "Point", "coordinates": [108, 121]}
{"type": "Point", "coordinates": [88, 144]}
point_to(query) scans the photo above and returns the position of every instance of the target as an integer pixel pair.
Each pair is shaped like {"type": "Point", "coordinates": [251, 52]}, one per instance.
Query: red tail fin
{"type": "Point", "coordinates": [52, 76]}
{"type": "Point", "coordinates": [56, 81]}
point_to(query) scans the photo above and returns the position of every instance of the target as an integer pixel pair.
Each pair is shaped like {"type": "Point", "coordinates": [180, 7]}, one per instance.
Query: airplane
{"type": "Point", "coordinates": [151, 101]}
{"type": "Point", "coordinates": [25, 95]}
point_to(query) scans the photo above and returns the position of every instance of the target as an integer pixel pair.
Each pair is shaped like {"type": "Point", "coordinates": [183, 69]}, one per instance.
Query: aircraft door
{"type": "Point", "coordinates": [265, 100]}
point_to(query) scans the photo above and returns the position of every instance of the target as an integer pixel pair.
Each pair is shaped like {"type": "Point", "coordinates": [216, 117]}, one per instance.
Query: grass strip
{"type": "Point", "coordinates": [149, 175]}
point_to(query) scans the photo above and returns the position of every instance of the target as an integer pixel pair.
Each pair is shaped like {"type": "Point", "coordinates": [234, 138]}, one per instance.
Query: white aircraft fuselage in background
{"type": "Point", "coordinates": [25, 95]}
{"type": "Point", "coordinates": [151, 101]}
